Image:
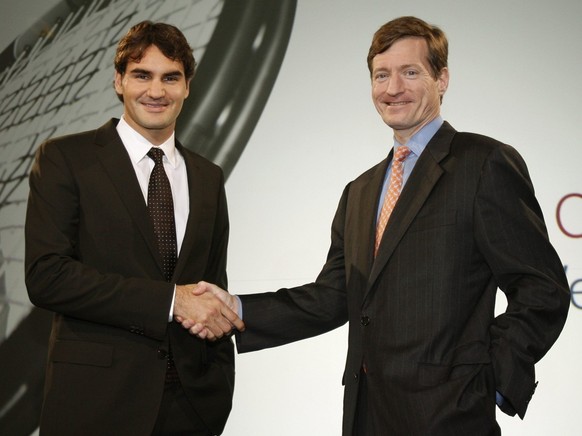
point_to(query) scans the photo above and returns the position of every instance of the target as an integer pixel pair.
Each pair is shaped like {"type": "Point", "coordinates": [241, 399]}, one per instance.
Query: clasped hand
{"type": "Point", "coordinates": [206, 311]}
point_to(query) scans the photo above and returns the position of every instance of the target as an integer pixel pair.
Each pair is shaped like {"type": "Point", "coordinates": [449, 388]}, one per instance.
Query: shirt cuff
{"type": "Point", "coordinates": [499, 399]}
{"type": "Point", "coordinates": [171, 317]}
{"type": "Point", "coordinates": [240, 308]}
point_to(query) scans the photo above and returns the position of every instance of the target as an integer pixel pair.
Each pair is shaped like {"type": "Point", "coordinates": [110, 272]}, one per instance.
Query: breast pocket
{"type": "Point", "coordinates": [433, 220]}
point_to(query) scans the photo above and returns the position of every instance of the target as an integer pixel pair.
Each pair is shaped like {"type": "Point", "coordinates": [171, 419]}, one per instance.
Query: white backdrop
{"type": "Point", "coordinates": [515, 75]}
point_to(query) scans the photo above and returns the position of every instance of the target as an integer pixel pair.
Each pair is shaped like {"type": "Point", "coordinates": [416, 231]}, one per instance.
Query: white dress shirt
{"type": "Point", "coordinates": [137, 147]}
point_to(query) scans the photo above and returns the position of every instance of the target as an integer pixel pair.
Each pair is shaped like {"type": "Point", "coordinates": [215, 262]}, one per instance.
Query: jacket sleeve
{"type": "Point", "coordinates": [58, 279]}
{"type": "Point", "coordinates": [511, 235]}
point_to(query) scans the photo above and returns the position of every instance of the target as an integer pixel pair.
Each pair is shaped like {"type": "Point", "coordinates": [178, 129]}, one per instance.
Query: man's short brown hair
{"type": "Point", "coordinates": [169, 39]}
{"type": "Point", "coordinates": [403, 27]}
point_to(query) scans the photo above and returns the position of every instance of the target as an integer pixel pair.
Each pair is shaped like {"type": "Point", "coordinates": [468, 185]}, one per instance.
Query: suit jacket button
{"type": "Point", "coordinates": [365, 320]}
{"type": "Point", "coordinates": [356, 376]}
{"type": "Point", "coordinates": [162, 354]}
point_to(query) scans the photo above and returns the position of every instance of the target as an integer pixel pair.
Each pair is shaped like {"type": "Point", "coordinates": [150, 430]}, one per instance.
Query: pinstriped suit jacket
{"type": "Point", "coordinates": [421, 314]}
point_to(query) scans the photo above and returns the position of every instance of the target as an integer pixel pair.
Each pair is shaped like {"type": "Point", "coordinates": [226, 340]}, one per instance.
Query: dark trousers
{"type": "Point", "coordinates": [364, 424]}
{"type": "Point", "coordinates": [176, 416]}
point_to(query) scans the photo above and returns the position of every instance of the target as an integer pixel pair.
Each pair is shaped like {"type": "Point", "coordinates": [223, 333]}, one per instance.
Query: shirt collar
{"type": "Point", "coordinates": [137, 146]}
{"type": "Point", "coordinates": [417, 143]}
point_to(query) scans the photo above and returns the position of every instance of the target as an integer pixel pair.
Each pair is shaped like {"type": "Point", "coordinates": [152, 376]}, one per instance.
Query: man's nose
{"type": "Point", "coordinates": [156, 89]}
{"type": "Point", "coordinates": [394, 85]}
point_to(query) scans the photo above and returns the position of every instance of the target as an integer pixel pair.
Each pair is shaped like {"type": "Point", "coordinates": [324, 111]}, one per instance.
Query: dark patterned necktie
{"type": "Point", "coordinates": [161, 210]}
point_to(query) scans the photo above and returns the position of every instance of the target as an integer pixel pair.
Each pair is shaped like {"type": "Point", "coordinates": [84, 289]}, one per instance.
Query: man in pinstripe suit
{"type": "Point", "coordinates": [427, 356]}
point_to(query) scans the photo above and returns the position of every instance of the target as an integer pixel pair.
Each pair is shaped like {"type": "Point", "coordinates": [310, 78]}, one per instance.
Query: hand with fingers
{"type": "Point", "coordinates": [205, 311]}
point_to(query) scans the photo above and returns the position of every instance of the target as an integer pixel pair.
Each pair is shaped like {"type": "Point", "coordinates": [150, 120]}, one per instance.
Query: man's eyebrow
{"type": "Point", "coordinates": [173, 73]}
{"type": "Point", "coordinates": [400, 67]}
{"type": "Point", "coordinates": [412, 65]}
{"type": "Point", "coordinates": [139, 71]}
{"type": "Point", "coordinates": [144, 71]}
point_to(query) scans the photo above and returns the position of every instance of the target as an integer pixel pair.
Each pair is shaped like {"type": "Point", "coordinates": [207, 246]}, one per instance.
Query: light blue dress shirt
{"type": "Point", "coordinates": [417, 143]}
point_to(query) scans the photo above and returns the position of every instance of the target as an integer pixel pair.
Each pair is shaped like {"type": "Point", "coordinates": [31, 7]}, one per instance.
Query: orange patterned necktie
{"type": "Point", "coordinates": [392, 194]}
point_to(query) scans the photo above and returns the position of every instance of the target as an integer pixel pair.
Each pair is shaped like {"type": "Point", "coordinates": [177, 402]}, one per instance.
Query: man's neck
{"type": "Point", "coordinates": [403, 136]}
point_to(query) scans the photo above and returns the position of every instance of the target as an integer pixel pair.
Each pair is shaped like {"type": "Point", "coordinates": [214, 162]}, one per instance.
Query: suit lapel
{"type": "Point", "coordinates": [370, 194]}
{"type": "Point", "coordinates": [360, 218]}
{"type": "Point", "coordinates": [195, 191]}
{"type": "Point", "coordinates": [420, 184]}
{"type": "Point", "coordinates": [117, 165]}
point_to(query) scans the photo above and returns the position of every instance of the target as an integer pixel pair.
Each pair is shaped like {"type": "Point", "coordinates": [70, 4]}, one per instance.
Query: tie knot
{"type": "Point", "coordinates": [156, 154]}
{"type": "Point", "coordinates": [402, 153]}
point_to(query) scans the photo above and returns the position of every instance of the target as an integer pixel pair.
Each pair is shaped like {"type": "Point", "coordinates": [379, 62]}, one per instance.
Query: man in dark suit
{"type": "Point", "coordinates": [97, 257]}
{"type": "Point", "coordinates": [415, 269]}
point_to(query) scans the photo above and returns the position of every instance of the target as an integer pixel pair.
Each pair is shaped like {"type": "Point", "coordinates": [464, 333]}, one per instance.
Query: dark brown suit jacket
{"type": "Point", "coordinates": [421, 315]}
{"type": "Point", "coordinates": [91, 258]}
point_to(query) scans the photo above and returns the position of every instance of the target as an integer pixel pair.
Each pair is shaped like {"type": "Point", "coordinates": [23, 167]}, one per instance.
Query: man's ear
{"type": "Point", "coordinates": [443, 81]}
{"type": "Point", "coordinates": [187, 88]}
{"type": "Point", "coordinates": [117, 83]}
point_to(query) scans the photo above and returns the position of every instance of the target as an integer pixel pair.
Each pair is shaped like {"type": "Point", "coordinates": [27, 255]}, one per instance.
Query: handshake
{"type": "Point", "coordinates": [206, 310]}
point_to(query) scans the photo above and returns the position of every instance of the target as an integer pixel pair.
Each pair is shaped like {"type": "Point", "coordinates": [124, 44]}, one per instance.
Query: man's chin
{"type": "Point", "coordinates": [157, 124]}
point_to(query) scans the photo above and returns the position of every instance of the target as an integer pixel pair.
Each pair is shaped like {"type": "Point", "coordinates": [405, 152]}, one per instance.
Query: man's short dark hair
{"type": "Point", "coordinates": [169, 39]}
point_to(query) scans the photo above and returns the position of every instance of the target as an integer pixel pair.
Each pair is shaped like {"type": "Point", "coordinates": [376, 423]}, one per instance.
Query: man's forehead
{"type": "Point", "coordinates": [404, 52]}
{"type": "Point", "coordinates": [153, 60]}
